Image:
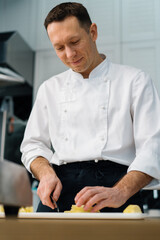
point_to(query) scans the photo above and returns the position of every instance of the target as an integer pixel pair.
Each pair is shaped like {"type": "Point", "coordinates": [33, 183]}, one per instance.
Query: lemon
{"type": "Point", "coordinates": [1, 208]}
{"type": "Point", "coordinates": [26, 209]}
{"type": "Point", "coordinates": [132, 209]}
{"type": "Point", "coordinates": [75, 209]}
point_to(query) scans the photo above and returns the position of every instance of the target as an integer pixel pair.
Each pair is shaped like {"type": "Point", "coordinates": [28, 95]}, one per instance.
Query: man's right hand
{"type": "Point", "coordinates": [49, 182]}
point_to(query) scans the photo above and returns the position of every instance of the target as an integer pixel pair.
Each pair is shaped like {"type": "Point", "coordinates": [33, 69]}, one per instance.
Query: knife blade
{"type": "Point", "coordinates": [54, 202]}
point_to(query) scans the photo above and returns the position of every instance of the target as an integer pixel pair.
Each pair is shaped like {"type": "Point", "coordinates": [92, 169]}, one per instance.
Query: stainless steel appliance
{"type": "Point", "coordinates": [16, 62]}
{"type": "Point", "coordinates": [16, 77]}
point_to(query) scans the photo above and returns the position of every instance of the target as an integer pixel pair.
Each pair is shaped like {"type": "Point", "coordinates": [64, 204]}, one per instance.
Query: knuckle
{"type": "Point", "coordinates": [82, 198]}
{"type": "Point", "coordinates": [38, 192]}
{"type": "Point", "coordinates": [60, 184]}
{"type": "Point", "coordinates": [93, 191]}
{"type": "Point", "coordinates": [43, 202]}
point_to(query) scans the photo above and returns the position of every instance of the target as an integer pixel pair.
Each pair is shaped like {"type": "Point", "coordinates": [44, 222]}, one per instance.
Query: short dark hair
{"type": "Point", "coordinates": [68, 9]}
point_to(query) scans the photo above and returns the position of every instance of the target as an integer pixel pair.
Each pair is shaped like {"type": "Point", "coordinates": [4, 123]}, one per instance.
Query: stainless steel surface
{"type": "Point", "coordinates": [8, 77]}
{"type": "Point", "coordinates": [15, 189]}
{"type": "Point", "coordinates": [17, 55]}
{"type": "Point", "coordinates": [16, 65]}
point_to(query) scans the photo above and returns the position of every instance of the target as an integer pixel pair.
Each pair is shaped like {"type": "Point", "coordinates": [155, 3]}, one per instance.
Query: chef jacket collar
{"type": "Point", "coordinates": [98, 72]}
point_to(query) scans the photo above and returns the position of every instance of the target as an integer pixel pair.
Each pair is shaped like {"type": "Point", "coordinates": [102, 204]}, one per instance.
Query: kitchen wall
{"type": "Point", "coordinates": [129, 32]}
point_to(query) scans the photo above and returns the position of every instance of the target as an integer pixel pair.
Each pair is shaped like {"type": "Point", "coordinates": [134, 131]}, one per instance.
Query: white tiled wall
{"type": "Point", "coordinates": [144, 55]}
{"type": "Point", "coordinates": [140, 20]}
{"type": "Point", "coordinates": [141, 36]}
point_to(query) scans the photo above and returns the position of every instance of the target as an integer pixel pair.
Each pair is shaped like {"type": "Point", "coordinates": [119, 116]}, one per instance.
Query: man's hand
{"type": "Point", "coordinates": [49, 182]}
{"type": "Point", "coordinates": [100, 197]}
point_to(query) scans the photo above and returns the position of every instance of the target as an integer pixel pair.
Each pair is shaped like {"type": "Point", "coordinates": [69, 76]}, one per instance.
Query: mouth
{"type": "Point", "coordinates": [77, 62]}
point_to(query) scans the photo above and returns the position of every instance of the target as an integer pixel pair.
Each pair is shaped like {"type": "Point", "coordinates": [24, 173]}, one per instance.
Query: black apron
{"type": "Point", "coordinates": [75, 176]}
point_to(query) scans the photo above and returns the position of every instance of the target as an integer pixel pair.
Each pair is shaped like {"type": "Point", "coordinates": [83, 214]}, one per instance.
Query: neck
{"type": "Point", "coordinates": [98, 59]}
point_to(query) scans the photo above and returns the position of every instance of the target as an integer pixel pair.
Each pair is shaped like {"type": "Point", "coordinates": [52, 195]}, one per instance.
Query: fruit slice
{"type": "Point", "coordinates": [132, 209]}
{"type": "Point", "coordinates": [75, 209]}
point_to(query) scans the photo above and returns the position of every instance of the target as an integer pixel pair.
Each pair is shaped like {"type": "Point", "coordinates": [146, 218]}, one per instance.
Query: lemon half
{"type": "Point", "coordinates": [132, 209]}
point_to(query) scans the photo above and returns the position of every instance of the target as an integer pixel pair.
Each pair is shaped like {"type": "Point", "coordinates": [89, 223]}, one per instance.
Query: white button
{"type": "Point", "coordinates": [66, 139]}
{"type": "Point", "coordinates": [64, 162]}
{"type": "Point", "coordinates": [96, 160]}
{"type": "Point", "coordinates": [103, 107]}
{"type": "Point", "coordinates": [67, 83]}
{"type": "Point", "coordinates": [65, 110]}
{"type": "Point", "coordinates": [102, 139]}
{"type": "Point", "coordinates": [105, 80]}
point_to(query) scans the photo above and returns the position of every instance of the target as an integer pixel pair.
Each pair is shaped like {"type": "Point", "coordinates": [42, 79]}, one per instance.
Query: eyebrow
{"type": "Point", "coordinates": [71, 38]}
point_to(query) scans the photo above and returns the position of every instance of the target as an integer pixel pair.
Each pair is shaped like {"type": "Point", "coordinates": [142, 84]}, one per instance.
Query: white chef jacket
{"type": "Point", "coordinates": [112, 115]}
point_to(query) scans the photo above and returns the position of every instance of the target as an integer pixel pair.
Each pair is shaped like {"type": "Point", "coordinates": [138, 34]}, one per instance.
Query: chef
{"type": "Point", "coordinates": [93, 135]}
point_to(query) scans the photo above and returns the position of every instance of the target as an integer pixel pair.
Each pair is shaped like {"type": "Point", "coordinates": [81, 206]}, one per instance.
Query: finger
{"type": "Point", "coordinates": [107, 202]}
{"type": "Point", "coordinates": [44, 194]}
{"type": "Point", "coordinates": [46, 200]}
{"type": "Point", "coordinates": [57, 191]}
{"type": "Point", "coordinates": [48, 203]}
{"type": "Point", "coordinates": [94, 200]}
{"type": "Point", "coordinates": [79, 194]}
{"type": "Point", "coordinates": [100, 205]}
{"type": "Point", "coordinates": [86, 196]}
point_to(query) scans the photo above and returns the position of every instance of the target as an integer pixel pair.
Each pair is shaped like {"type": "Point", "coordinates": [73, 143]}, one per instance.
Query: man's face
{"type": "Point", "coordinates": [73, 45]}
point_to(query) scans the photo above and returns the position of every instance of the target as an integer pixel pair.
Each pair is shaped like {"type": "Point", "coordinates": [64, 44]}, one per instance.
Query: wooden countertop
{"type": "Point", "coordinates": [69, 229]}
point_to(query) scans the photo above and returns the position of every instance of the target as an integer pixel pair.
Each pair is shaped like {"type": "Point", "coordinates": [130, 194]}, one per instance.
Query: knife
{"type": "Point", "coordinates": [54, 202]}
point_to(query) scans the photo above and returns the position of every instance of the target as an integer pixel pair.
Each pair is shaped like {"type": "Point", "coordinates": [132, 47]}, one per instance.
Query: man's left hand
{"type": "Point", "coordinates": [99, 197]}
{"type": "Point", "coordinates": [116, 196]}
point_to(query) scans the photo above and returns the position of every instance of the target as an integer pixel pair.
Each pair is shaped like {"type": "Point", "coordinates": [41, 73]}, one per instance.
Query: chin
{"type": "Point", "coordinates": [79, 69]}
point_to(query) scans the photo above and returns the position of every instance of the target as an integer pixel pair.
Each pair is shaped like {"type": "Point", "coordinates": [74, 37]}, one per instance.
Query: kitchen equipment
{"type": "Point", "coordinates": [16, 65]}
{"type": "Point", "coordinates": [16, 56]}
{"type": "Point", "coordinates": [15, 189]}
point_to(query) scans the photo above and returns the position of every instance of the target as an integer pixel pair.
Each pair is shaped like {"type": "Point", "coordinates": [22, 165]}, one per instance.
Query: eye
{"type": "Point", "coordinates": [59, 48]}
{"type": "Point", "coordinates": [75, 42]}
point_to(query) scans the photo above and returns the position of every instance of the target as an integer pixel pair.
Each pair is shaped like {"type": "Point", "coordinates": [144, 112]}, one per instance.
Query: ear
{"type": "Point", "coordinates": [93, 32]}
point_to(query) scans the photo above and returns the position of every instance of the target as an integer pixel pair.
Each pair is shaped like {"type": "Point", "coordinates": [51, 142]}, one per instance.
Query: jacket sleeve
{"type": "Point", "coordinates": [145, 112]}
{"type": "Point", "coordinates": [36, 141]}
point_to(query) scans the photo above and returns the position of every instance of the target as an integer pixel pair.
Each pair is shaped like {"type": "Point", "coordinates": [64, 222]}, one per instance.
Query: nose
{"type": "Point", "coordinates": [70, 52]}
